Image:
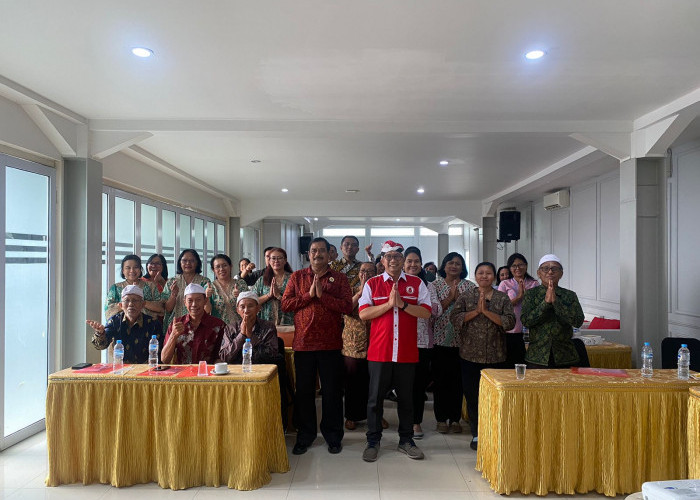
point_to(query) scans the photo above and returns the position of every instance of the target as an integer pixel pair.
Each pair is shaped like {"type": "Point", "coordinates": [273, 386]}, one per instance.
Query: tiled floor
{"type": "Point", "coordinates": [446, 473]}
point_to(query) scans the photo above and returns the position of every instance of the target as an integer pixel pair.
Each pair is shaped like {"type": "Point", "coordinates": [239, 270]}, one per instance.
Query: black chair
{"type": "Point", "coordinates": [583, 361]}
{"type": "Point", "coordinates": [286, 389]}
{"type": "Point", "coordinates": [669, 352]}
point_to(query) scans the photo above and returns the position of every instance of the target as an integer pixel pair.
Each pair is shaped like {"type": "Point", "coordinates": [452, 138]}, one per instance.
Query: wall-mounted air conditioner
{"type": "Point", "coordinates": [559, 199]}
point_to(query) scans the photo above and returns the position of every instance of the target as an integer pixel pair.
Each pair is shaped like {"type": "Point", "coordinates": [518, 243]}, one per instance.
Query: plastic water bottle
{"type": "Point", "coordinates": [118, 365]}
{"type": "Point", "coordinates": [153, 353]}
{"type": "Point", "coordinates": [647, 359]}
{"type": "Point", "coordinates": [684, 362]}
{"type": "Point", "coordinates": [526, 335]}
{"type": "Point", "coordinates": [247, 356]}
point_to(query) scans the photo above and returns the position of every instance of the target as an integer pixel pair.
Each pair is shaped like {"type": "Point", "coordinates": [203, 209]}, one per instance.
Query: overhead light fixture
{"type": "Point", "coordinates": [285, 190]}
{"type": "Point", "coordinates": [352, 190]}
{"type": "Point", "coordinates": [444, 163]}
{"type": "Point", "coordinates": [420, 190]}
{"type": "Point", "coordinates": [535, 54]}
{"type": "Point", "coordinates": [142, 52]}
{"type": "Point", "coordinates": [254, 161]}
{"type": "Point", "coordinates": [398, 220]}
{"type": "Point", "coordinates": [315, 218]}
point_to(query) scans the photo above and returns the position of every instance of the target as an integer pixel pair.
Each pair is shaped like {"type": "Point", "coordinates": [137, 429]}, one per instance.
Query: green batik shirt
{"type": "Point", "coordinates": [551, 325]}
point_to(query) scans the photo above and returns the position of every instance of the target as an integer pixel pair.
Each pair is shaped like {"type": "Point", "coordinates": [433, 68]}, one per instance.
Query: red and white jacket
{"type": "Point", "coordinates": [393, 335]}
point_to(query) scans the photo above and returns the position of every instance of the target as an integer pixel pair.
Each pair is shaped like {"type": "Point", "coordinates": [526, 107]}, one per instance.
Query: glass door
{"type": "Point", "coordinates": [26, 295]}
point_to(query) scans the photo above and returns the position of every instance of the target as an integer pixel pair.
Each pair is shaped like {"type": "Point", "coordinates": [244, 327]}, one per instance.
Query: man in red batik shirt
{"type": "Point", "coordinates": [319, 297]}
{"type": "Point", "coordinates": [393, 301]}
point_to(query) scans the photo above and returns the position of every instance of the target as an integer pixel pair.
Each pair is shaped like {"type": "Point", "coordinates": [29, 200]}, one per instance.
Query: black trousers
{"type": "Point", "coordinates": [447, 389]}
{"type": "Point", "coordinates": [382, 377]}
{"type": "Point", "coordinates": [515, 350]}
{"type": "Point", "coordinates": [329, 367]}
{"type": "Point", "coordinates": [471, 376]}
{"type": "Point", "coordinates": [356, 388]}
{"type": "Point", "coordinates": [420, 383]}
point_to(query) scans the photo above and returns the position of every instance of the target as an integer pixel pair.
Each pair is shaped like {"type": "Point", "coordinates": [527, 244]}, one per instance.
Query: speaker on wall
{"type": "Point", "coordinates": [304, 243]}
{"type": "Point", "coordinates": [508, 225]}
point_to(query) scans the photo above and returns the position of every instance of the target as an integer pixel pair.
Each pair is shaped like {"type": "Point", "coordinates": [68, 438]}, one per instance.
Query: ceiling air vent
{"type": "Point", "coordinates": [559, 199]}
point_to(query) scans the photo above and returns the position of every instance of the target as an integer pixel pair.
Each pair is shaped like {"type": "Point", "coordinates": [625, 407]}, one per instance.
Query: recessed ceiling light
{"type": "Point", "coordinates": [254, 161]}
{"type": "Point", "coordinates": [535, 54]}
{"type": "Point", "coordinates": [420, 190]}
{"type": "Point", "coordinates": [398, 220]}
{"type": "Point", "coordinates": [285, 190]}
{"type": "Point", "coordinates": [444, 162]}
{"type": "Point", "coordinates": [315, 218]}
{"type": "Point", "coordinates": [352, 190]}
{"type": "Point", "coordinates": [142, 52]}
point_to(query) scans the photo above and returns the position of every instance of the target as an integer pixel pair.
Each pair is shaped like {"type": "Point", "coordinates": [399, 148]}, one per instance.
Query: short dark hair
{"type": "Point", "coordinates": [416, 251]}
{"type": "Point", "coordinates": [431, 263]}
{"type": "Point", "coordinates": [351, 237]}
{"type": "Point", "coordinates": [487, 264]}
{"type": "Point", "coordinates": [220, 256]}
{"type": "Point", "coordinates": [163, 262]}
{"type": "Point", "coordinates": [131, 256]}
{"type": "Point", "coordinates": [267, 249]}
{"type": "Point", "coordinates": [498, 274]}
{"type": "Point", "coordinates": [244, 259]}
{"type": "Point", "coordinates": [196, 256]}
{"type": "Point", "coordinates": [448, 258]}
{"type": "Point", "coordinates": [511, 261]}
{"type": "Point", "coordinates": [321, 240]}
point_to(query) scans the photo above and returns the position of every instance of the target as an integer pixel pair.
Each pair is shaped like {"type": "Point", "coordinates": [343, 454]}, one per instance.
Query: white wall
{"type": "Point", "coordinates": [683, 242]}
{"type": "Point", "coordinates": [585, 237]}
{"type": "Point", "coordinates": [19, 131]}
{"type": "Point", "coordinates": [133, 174]}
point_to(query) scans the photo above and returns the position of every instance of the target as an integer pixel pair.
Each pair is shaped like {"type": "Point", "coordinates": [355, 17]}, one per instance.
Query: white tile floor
{"type": "Point", "coordinates": [446, 473]}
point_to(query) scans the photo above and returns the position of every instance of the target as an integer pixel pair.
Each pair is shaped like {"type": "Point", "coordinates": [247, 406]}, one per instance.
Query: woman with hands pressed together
{"type": "Point", "coordinates": [189, 269]}
{"type": "Point", "coordinates": [223, 292]}
{"type": "Point", "coordinates": [270, 288]}
{"type": "Point", "coordinates": [480, 317]}
{"type": "Point", "coordinates": [515, 288]}
{"type": "Point", "coordinates": [551, 313]}
{"type": "Point", "coordinates": [447, 390]}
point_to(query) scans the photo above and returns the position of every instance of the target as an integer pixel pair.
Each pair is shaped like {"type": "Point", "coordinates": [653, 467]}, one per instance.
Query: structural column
{"type": "Point", "coordinates": [234, 241]}
{"type": "Point", "coordinates": [643, 254]}
{"type": "Point", "coordinates": [490, 239]}
{"type": "Point", "coordinates": [82, 258]}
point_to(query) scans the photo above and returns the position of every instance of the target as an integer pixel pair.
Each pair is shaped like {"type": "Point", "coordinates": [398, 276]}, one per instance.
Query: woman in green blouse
{"type": "Point", "coordinates": [223, 294]}
{"type": "Point", "coordinates": [271, 286]}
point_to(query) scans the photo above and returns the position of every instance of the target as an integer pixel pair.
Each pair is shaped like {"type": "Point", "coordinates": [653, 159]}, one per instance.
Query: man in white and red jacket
{"type": "Point", "coordinates": [393, 301]}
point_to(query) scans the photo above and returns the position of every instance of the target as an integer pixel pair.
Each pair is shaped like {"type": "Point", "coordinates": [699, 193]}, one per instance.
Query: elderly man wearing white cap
{"type": "Point", "coordinates": [262, 333]}
{"type": "Point", "coordinates": [195, 336]}
{"type": "Point", "coordinates": [130, 326]}
{"type": "Point", "coordinates": [551, 313]}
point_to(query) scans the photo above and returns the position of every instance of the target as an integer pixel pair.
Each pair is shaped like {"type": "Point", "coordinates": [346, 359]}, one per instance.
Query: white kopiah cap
{"type": "Point", "coordinates": [550, 257]}
{"type": "Point", "coordinates": [194, 288]}
{"type": "Point", "coordinates": [249, 294]}
{"type": "Point", "coordinates": [132, 290]}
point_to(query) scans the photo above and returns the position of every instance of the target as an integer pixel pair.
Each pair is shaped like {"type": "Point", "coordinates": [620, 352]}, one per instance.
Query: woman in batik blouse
{"type": "Point", "coordinates": [189, 270]}
{"type": "Point", "coordinates": [271, 286]}
{"type": "Point", "coordinates": [481, 317]}
{"type": "Point", "coordinates": [131, 271]}
{"type": "Point", "coordinates": [223, 294]}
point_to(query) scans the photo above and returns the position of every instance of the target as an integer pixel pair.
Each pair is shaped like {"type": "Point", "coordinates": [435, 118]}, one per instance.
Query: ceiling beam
{"type": "Point", "coordinates": [103, 144]}
{"type": "Point", "coordinates": [61, 132]}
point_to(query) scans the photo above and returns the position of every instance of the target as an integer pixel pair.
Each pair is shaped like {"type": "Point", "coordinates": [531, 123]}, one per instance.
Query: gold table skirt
{"type": "Point", "coordinates": [566, 433]}
{"type": "Point", "coordinates": [610, 355]}
{"type": "Point", "coordinates": [177, 432]}
{"type": "Point", "coordinates": [694, 434]}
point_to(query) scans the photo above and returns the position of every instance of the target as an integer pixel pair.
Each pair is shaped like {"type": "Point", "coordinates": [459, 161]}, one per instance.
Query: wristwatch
{"type": "Point", "coordinates": [405, 305]}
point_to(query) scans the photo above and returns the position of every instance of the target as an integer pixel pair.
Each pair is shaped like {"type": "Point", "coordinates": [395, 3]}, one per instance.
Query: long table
{"type": "Point", "coordinates": [568, 433]}
{"type": "Point", "coordinates": [610, 355]}
{"type": "Point", "coordinates": [177, 431]}
{"type": "Point", "coordinates": [694, 433]}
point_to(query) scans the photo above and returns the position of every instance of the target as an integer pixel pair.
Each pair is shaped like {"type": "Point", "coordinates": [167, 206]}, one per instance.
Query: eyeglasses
{"type": "Point", "coordinates": [394, 256]}
{"type": "Point", "coordinates": [187, 261]}
{"type": "Point", "coordinates": [221, 267]}
{"type": "Point", "coordinates": [518, 266]}
{"type": "Point", "coordinates": [551, 269]}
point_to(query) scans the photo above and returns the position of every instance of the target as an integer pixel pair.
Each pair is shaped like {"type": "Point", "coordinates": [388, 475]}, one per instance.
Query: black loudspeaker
{"type": "Point", "coordinates": [508, 225]}
{"type": "Point", "coordinates": [304, 243]}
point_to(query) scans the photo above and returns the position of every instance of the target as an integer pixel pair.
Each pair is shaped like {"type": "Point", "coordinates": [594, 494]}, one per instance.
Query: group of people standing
{"type": "Point", "coordinates": [363, 333]}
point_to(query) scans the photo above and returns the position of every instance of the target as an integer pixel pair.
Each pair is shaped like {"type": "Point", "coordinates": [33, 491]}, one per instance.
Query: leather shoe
{"type": "Point", "coordinates": [334, 449]}
{"type": "Point", "coordinates": [350, 425]}
{"type": "Point", "coordinates": [299, 449]}
{"type": "Point", "coordinates": [474, 444]}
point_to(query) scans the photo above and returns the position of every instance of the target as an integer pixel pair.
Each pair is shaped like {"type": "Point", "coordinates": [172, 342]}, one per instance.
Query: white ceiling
{"type": "Point", "coordinates": [366, 95]}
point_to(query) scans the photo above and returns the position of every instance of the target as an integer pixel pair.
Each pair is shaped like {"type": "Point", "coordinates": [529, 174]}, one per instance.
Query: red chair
{"type": "Point", "coordinates": [604, 324]}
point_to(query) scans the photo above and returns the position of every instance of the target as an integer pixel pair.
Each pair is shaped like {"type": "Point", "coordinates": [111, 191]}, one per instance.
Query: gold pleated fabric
{"type": "Point", "coordinates": [177, 432]}
{"type": "Point", "coordinates": [694, 434]}
{"type": "Point", "coordinates": [610, 355]}
{"type": "Point", "coordinates": [566, 433]}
